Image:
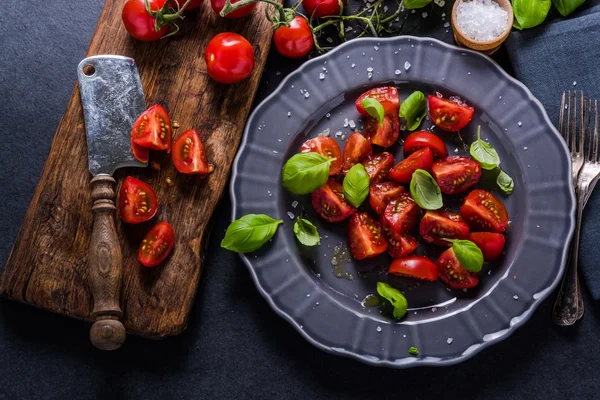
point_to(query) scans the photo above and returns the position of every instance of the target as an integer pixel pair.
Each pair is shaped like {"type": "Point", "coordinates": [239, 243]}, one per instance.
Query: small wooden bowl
{"type": "Point", "coordinates": [485, 47]}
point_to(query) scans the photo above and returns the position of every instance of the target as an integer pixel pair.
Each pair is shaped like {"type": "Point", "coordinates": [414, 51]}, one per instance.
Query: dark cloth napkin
{"type": "Point", "coordinates": [564, 54]}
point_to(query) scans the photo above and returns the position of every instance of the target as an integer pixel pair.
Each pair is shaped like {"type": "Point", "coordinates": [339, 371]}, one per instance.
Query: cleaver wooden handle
{"type": "Point", "coordinates": [105, 263]}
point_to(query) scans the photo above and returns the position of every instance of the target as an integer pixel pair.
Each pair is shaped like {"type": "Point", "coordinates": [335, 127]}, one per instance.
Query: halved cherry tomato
{"type": "Point", "coordinates": [455, 174]}
{"type": "Point", "coordinates": [153, 129]}
{"type": "Point", "coordinates": [420, 159]}
{"type": "Point", "coordinates": [295, 41]}
{"type": "Point", "coordinates": [321, 8]}
{"type": "Point", "coordinates": [453, 274]}
{"type": "Point", "coordinates": [140, 153]}
{"type": "Point", "coordinates": [378, 166]}
{"type": "Point", "coordinates": [380, 194]}
{"type": "Point", "coordinates": [357, 148]}
{"type": "Point", "coordinates": [383, 134]}
{"type": "Point", "coordinates": [448, 115]}
{"type": "Point", "coordinates": [189, 156]}
{"type": "Point", "coordinates": [415, 267]}
{"type": "Point", "coordinates": [217, 6]}
{"type": "Point", "coordinates": [365, 237]}
{"type": "Point", "coordinates": [137, 201]}
{"type": "Point", "coordinates": [328, 201]}
{"type": "Point", "coordinates": [484, 212]}
{"type": "Point", "coordinates": [191, 5]}
{"type": "Point", "coordinates": [157, 245]}
{"type": "Point", "coordinates": [327, 147]}
{"type": "Point", "coordinates": [491, 244]}
{"type": "Point", "coordinates": [229, 57]}
{"type": "Point", "coordinates": [418, 140]}
{"type": "Point", "coordinates": [387, 96]}
{"type": "Point", "coordinates": [400, 244]}
{"type": "Point", "coordinates": [437, 225]}
{"type": "Point", "coordinates": [401, 214]}
{"type": "Point", "coordinates": [139, 23]}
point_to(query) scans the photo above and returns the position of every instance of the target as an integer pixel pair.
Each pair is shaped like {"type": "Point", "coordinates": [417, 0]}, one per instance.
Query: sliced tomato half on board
{"type": "Point", "coordinates": [327, 147]}
{"type": "Point", "coordinates": [189, 155]}
{"type": "Point", "coordinates": [157, 245]}
{"type": "Point", "coordinates": [140, 153]}
{"type": "Point", "coordinates": [137, 201]}
{"type": "Point", "coordinates": [153, 129]}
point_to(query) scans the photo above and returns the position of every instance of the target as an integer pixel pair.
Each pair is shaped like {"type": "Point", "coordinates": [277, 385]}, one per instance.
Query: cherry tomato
{"type": "Point", "coordinates": [365, 237]}
{"type": "Point", "coordinates": [140, 153]}
{"type": "Point", "coordinates": [357, 148]}
{"type": "Point", "coordinates": [418, 140]}
{"type": "Point", "coordinates": [191, 5]}
{"type": "Point", "coordinates": [387, 96]}
{"type": "Point", "coordinates": [321, 8]}
{"type": "Point", "coordinates": [401, 214]}
{"type": "Point", "coordinates": [189, 156]}
{"type": "Point", "coordinates": [137, 201]}
{"type": "Point", "coordinates": [380, 194]}
{"type": "Point", "coordinates": [415, 267]}
{"type": "Point", "coordinates": [491, 244]}
{"type": "Point", "coordinates": [378, 166]}
{"type": "Point", "coordinates": [139, 23]}
{"type": "Point", "coordinates": [327, 147]}
{"type": "Point", "coordinates": [437, 225]}
{"type": "Point", "coordinates": [295, 41]}
{"type": "Point", "coordinates": [328, 201]}
{"type": "Point", "coordinates": [400, 244]}
{"type": "Point", "coordinates": [157, 245]}
{"type": "Point", "coordinates": [217, 6]}
{"type": "Point", "coordinates": [420, 159]}
{"type": "Point", "coordinates": [384, 134]}
{"type": "Point", "coordinates": [448, 115]}
{"type": "Point", "coordinates": [229, 58]}
{"type": "Point", "coordinates": [484, 212]}
{"type": "Point", "coordinates": [453, 274]}
{"type": "Point", "coordinates": [456, 174]}
{"type": "Point", "coordinates": [153, 129]}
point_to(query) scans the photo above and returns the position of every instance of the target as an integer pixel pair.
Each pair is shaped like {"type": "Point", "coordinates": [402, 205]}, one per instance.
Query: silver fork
{"type": "Point", "coordinates": [569, 303]}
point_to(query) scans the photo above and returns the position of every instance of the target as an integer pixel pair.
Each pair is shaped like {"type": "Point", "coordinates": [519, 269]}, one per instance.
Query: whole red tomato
{"type": "Point", "coordinates": [217, 6]}
{"type": "Point", "coordinates": [295, 41]}
{"type": "Point", "coordinates": [321, 8]}
{"type": "Point", "coordinates": [229, 58]}
{"type": "Point", "coordinates": [139, 23]}
{"type": "Point", "coordinates": [191, 5]}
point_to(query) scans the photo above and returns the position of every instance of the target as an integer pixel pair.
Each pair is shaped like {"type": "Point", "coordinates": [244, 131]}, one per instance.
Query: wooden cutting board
{"type": "Point", "coordinates": [47, 266]}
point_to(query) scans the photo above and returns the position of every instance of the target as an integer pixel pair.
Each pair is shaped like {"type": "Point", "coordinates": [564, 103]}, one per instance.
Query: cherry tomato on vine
{"type": "Point", "coordinates": [419, 267]}
{"type": "Point", "coordinates": [295, 41]}
{"type": "Point", "coordinates": [189, 156]}
{"type": "Point", "coordinates": [229, 58]}
{"type": "Point", "coordinates": [326, 147]}
{"type": "Point", "coordinates": [157, 245]}
{"type": "Point", "coordinates": [191, 5]}
{"type": "Point", "coordinates": [153, 129]}
{"type": "Point", "coordinates": [217, 6]}
{"type": "Point", "coordinates": [137, 201]}
{"type": "Point", "coordinates": [139, 23]}
{"type": "Point", "coordinates": [418, 140]}
{"type": "Point", "coordinates": [449, 115]}
{"type": "Point", "coordinates": [321, 8]}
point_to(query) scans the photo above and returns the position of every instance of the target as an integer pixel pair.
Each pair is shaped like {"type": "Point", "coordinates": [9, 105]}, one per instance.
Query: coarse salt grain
{"type": "Point", "coordinates": [481, 20]}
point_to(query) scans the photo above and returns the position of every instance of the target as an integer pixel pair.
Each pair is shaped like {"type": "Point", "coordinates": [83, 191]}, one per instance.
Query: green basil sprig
{"type": "Point", "coordinates": [566, 7]}
{"type": "Point", "coordinates": [413, 110]}
{"type": "Point", "coordinates": [468, 254]}
{"type": "Point", "coordinates": [304, 173]}
{"type": "Point", "coordinates": [505, 182]}
{"type": "Point", "coordinates": [306, 232]}
{"type": "Point", "coordinates": [412, 4]}
{"type": "Point", "coordinates": [356, 185]}
{"type": "Point", "coordinates": [425, 190]}
{"type": "Point", "coordinates": [395, 297]}
{"type": "Point", "coordinates": [249, 232]}
{"type": "Point", "coordinates": [374, 108]}
{"type": "Point", "coordinates": [485, 154]}
{"type": "Point", "coordinates": [530, 13]}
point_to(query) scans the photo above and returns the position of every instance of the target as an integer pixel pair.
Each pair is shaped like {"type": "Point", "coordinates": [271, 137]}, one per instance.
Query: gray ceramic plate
{"type": "Point", "coordinates": [446, 326]}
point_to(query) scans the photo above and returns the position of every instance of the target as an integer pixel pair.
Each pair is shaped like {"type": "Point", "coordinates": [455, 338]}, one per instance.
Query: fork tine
{"type": "Point", "coordinates": [561, 117]}
{"type": "Point", "coordinates": [595, 128]}
{"type": "Point", "coordinates": [581, 148]}
{"type": "Point", "coordinates": [571, 121]}
{"type": "Point", "coordinates": [588, 127]}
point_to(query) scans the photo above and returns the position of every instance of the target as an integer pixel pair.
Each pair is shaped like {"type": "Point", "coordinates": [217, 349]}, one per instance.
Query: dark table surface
{"type": "Point", "coordinates": [235, 345]}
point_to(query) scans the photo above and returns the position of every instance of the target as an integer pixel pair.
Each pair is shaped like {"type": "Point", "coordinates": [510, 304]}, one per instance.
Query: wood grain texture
{"type": "Point", "coordinates": [48, 265]}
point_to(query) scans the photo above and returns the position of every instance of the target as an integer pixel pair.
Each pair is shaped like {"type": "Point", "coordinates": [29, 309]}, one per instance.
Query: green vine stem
{"type": "Point", "coordinates": [283, 18]}
{"type": "Point", "coordinates": [166, 16]}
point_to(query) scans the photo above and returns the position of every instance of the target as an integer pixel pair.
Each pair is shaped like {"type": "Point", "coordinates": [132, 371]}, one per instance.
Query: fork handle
{"type": "Point", "coordinates": [566, 307]}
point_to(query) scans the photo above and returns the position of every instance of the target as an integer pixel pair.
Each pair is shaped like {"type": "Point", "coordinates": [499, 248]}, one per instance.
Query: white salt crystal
{"type": "Point", "coordinates": [294, 204]}
{"type": "Point", "coordinates": [352, 124]}
{"type": "Point", "coordinates": [370, 69]}
{"type": "Point", "coordinates": [397, 72]}
{"type": "Point", "coordinates": [328, 115]}
{"type": "Point", "coordinates": [406, 66]}
{"type": "Point", "coordinates": [353, 65]}
{"type": "Point", "coordinates": [447, 24]}
{"type": "Point", "coordinates": [449, 340]}
{"type": "Point", "coordinates": [290, 214]}
{"type": "Point", "coordinates": [574, 83]}
{"type": "Point", "coordinates": [516, 297]}
{"type": "Point", "coordinates": [520, 123]}
{"type": "Point", "coordinates": [370, 75]}
{"type": "Point", "coordinates": [306, 94]}
{"type": "Point", "coordinates": [378, 329]}
{"type": "Point", "coordinates": [321, 76]}
{"type": "Point", "coordinates": [346, 122]}
{"type": "Point", "coordinates": [481, 20]}
{"type": "Point", "coordinates": [277, 73]}
{"type": "Point", "coordinates": [424, 15]}
{"type": "Point", "coordinates": [348, 29]}
{"type": "Point", "coordinates": [289, 114]}
{"type": "Point", "coordinates": [329, 40]}
{"type": "Point", "coordinates": [376, 48]}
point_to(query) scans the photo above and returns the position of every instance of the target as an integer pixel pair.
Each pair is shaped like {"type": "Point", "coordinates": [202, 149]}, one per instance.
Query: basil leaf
{"type": "Point", "coordinates": [374, 108]}
{"type": "Point", "coordinates": [485, 154]}
{"type": "Point", "coordinates": [395, 297]}
{"type": "Point", "coordinates": [468, 254]}
{"type": "Point", "coordinates": [356, 185]}
{"type": "Point", "coordinates": [413, 110]}
{"type": "Point", "coordinates": [304, 173]}
{"type": "Point", "coordinates": [425, 190]}
{"type": "Point", "coordinates": [566, 7]}
{"type": "Point", "coordinates": [249, 232]}
{"type": "Point", "coordinates": [306, 232]}
{"type": "Point", "coordinates": [505, 182]}
{"type": "Point", "coordinates": [412, 4]}
{"type": "Point", "coordinates": [413, 351]}
{"type": "Point", "coordinates": [530, 13]}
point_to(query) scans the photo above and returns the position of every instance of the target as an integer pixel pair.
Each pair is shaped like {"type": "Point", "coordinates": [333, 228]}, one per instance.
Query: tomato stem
{"type": "Point", "coordinates": [166, 15]}
{"type": "Point", "coordinates": [281, 20]}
